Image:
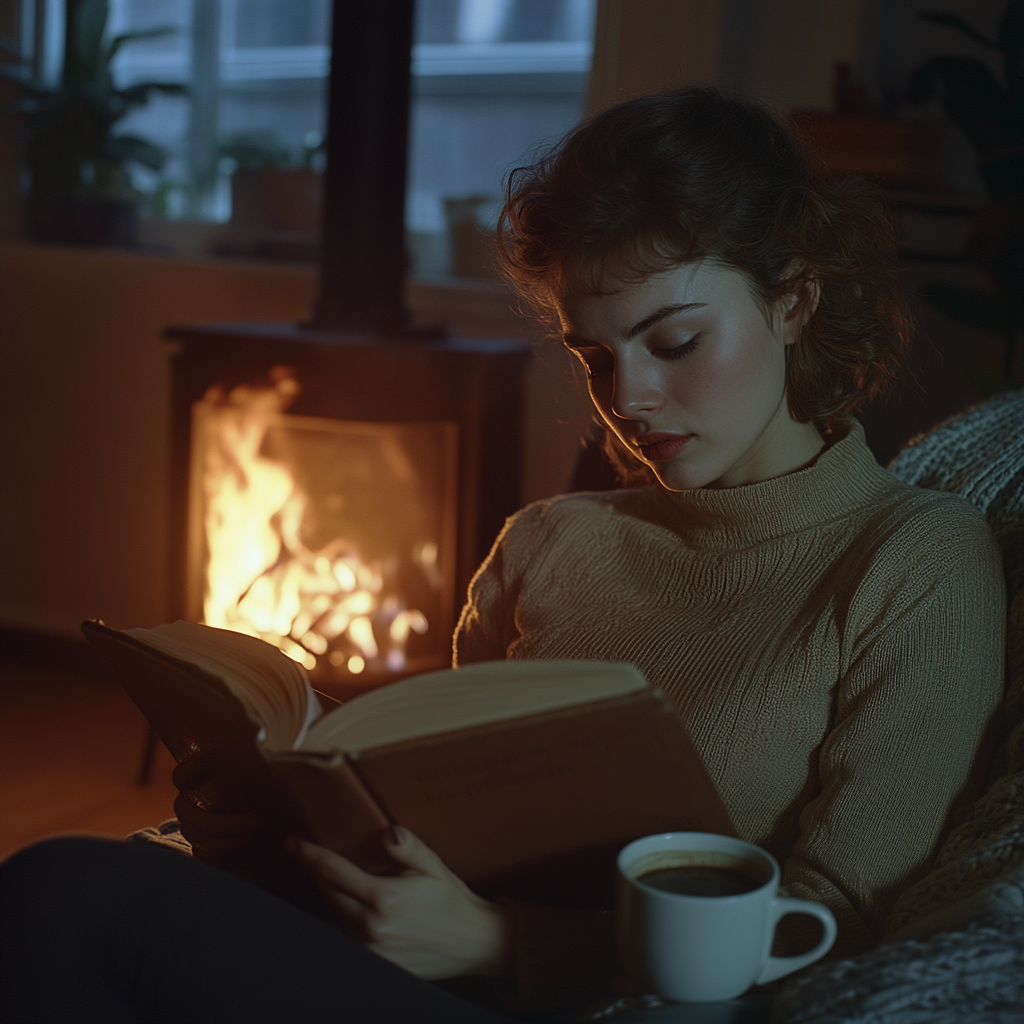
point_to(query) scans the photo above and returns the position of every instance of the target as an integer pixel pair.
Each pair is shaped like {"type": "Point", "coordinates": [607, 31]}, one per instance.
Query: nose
{"type": "Point", "coordinates": [635, 389]}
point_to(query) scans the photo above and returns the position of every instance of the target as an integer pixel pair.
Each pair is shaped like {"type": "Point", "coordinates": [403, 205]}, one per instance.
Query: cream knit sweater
{"type": "Point", "coordinates": [832, 638]}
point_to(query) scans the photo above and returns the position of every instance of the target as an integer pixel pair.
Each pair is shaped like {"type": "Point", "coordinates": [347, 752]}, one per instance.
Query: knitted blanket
{"type": "Point", "coordinates": [973, 976]}
{"type": "Point", "coordinates": [954, 945]}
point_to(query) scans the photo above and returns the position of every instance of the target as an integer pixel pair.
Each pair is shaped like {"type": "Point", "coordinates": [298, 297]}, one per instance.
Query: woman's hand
{"type": "Point", "coordinates": [206, 819]}
{"type": "Point", "coordinates": [425, 920]}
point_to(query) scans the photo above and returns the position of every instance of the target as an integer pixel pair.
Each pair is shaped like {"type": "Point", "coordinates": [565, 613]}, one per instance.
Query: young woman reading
{"type": "Point", "coordinates": [831, 637]}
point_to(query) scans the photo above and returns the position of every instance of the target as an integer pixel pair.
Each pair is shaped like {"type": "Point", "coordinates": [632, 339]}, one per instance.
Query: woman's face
{"type": "Point", "coordinates": [685, 369]}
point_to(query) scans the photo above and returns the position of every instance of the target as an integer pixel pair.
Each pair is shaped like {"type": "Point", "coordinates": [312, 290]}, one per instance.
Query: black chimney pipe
{"type": "Point", "coordinates": [363, 261]}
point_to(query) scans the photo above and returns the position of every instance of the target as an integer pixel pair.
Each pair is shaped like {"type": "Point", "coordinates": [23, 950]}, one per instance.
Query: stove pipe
{"type": "Point", "coordinates": [363, 260]}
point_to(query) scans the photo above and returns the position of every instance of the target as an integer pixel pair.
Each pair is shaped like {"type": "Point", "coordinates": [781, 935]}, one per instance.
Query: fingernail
{"type": "Point", "coordinates": [395, 835]}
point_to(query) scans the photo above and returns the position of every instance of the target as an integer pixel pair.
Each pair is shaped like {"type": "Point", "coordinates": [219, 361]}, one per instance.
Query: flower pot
{"type": "Point", "coordinates": [886, 148]}
{"type": "Point", "coordinates": [278, 199]}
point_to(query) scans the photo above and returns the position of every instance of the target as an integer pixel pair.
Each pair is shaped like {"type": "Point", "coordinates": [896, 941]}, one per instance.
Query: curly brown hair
{"type": "Point", "coordinates": [694, 174]}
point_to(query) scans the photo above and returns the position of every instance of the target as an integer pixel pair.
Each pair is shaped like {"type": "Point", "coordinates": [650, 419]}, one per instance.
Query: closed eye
{"type": "Point", "coordinates": [679, 351]}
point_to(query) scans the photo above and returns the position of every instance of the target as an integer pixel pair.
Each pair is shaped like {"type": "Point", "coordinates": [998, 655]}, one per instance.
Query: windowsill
{"type": "Point", "coordinates": [470, 307]}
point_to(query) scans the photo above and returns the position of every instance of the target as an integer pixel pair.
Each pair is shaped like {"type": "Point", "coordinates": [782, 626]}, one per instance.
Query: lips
{"type": "Point", "coordinates": [657, 447]}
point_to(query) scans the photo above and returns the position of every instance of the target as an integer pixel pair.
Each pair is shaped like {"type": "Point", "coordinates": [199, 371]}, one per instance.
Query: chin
{"type": "Point", "coordinates": [688, 473]}
{"type": "Point", "coordinates": [677, 479]}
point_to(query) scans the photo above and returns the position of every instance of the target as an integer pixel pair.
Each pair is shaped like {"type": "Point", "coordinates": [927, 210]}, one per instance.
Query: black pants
{"type": "Point", "coordinates": [95, 930]}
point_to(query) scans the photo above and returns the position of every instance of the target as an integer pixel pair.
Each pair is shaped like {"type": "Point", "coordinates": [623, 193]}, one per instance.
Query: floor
{"type": "Point", "coordinates": [70, 748]}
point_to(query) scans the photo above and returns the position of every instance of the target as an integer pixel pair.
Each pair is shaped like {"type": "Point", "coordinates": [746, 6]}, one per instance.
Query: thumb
{"type": "Point", "coordinates": [411, 851]}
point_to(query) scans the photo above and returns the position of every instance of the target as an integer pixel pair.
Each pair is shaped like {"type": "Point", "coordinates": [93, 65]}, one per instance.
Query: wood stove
{"type": "Point", "coordinates": [386, 458]}
{"type": "Point", "coordinates": [406, 454]}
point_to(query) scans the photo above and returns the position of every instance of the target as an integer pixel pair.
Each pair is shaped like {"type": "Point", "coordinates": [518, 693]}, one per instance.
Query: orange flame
{"type": "Point", "coordinates": [261, 579]}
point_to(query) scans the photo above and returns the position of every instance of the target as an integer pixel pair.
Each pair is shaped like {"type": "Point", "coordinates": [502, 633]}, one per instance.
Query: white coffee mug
{"type": "Point", "coordinates": [704, 948]}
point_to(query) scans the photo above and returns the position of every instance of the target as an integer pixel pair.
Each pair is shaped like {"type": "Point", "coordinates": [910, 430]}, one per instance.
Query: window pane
{"type": "Point", "coordinates": [277, 23]}
{"type": "Point", "coordinates": [492, 79]}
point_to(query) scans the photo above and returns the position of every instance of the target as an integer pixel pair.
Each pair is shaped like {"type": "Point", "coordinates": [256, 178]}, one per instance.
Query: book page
{"type": "Point", "coordinates": [272, 688]}
{"type": "Point", "coordinates": [314, 712]}
{"type": "Point", "coordinates": [475, 694]}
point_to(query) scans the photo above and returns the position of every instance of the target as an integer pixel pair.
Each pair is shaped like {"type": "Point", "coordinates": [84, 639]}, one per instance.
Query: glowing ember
{"type": "Point", "coordinates": [261, 579]}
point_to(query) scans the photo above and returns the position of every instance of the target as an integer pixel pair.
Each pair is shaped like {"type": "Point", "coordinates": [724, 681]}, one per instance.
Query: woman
{"type": "Point", "coordinates": [831, 638]}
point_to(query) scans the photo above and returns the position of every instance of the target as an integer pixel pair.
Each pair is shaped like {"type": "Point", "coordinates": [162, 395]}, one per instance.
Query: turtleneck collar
{"type": "Point", "coordinates": [843, 477]}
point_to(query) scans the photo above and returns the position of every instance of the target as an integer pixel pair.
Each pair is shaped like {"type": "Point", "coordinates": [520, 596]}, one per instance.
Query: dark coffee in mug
{"type": "Point", "coordinates": [676, 942]}
{"type": "Point", "coordinates": [699, 880]}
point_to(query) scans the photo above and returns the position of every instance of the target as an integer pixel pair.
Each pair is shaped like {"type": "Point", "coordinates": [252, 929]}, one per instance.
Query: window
{"type": "Point", "coordinates": [256, 67]}
{"type": "Point", "coordinates": [492, 79]}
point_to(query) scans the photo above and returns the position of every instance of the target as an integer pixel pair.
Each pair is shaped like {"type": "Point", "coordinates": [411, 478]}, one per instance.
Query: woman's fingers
{"type": "Point", "coordinates": [337, 871]}
{"type": "Point", "coordinates": [349, 907]}
{"type": "Point", "coordinates": [214, 832]}
{"type": "Point", "coordinates": [425, 920]}
{"type": "Point", "coordinates": [193, 770]}
{"type": "Point", "coordinates": [215, 824]}
{"type": "Point", "coordinates": [327, 879]}
{"type": "Point", "coordinates": [411, 851]}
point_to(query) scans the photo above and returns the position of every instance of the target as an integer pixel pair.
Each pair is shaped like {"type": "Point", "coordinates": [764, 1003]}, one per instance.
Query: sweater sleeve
{"type": "Point", "coordinates": [480, 634]}
{"type": "Point", "coordinates": [925, 629]}
{"type": "Point", "coordinates": [487, 625]}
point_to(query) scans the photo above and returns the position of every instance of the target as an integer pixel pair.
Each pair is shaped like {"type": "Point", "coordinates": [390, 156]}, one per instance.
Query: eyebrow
{"type": "Point", "coordinates": [662, 313]}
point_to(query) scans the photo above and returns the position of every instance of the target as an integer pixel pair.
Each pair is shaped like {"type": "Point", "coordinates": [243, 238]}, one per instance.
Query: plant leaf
{"type": "Point", "coordinates": [131, 37]}
{"type": "Point", "coordinates": [974, 100]}
{"type": "Point", "coordinates": [138, 94]}
{"type": "Point", "coordinates": [958, 24]}
{"type": "Point", "coordinates": [130, 147]}
{"type": "Point", "coordinates": [970, 307]}
{"type": "Point", "coordinates": [87, 25]}
{"type": "Point", "coordinates": [254, 150]}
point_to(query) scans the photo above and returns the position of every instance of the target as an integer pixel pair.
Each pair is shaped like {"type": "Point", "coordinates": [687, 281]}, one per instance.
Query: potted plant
{"type": "Point", "coordinates": [273, 188]}
{"type": "Point", "coordinates": [990, 114]}
{"type": "Point", "coordinates": [81, 188]}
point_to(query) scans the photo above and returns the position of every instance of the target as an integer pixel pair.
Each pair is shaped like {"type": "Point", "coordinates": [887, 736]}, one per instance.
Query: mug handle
{"type": "Point", "coordinates": [778, 966]}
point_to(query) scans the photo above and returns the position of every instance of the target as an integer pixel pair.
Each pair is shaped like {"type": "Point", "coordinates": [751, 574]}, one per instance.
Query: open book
{"type": "Point", "coordinates": [516, 773]}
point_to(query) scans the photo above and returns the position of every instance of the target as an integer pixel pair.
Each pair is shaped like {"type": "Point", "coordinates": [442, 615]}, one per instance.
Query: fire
{"type": "Point", "coordinates": [261, 579]}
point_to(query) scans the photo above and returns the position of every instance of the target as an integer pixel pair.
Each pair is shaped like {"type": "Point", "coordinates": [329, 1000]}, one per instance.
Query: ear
{"type": "Point", "coordinates": [799, 308]}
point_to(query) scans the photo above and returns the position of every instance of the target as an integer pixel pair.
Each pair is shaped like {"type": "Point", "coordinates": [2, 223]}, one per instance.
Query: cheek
{"type": "Point", "coordinates": [739, 379]}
